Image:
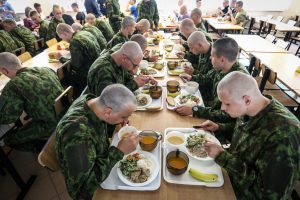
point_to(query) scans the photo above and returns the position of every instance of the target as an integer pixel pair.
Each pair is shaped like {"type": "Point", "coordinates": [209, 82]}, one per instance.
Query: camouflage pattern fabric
{"type": "Point", "coordinates": [44, 25]}
{"type": "Point", "coordinates": [201, 27]}
{"type": "Point", "coordinates": [7, 43]}
{"type": "Point", "coordinates": [97, 34]}
{"type": "Point", "coordinates": [18, 95]}
{"type": "Point", "coordinates": [84, 153]}
{"type": "Point", "coordinates": [104, 72]}
{"type": "Point", "coordinates": [148, 10]}
{"type": "Point", "coordinates": [114, 14]}
{"type": "Point", "coordinates": [24, 35]}
{"type": "Point", "coordinates": [117, 39]}
{"type": "Point", "coordinates": [52, 29]}
{"type": "Point", "coordinates": [105, 28]}
{"type": "Point", "coordinates": [263, 159]}
{"type": "Point", "coordinates": [241, 18]}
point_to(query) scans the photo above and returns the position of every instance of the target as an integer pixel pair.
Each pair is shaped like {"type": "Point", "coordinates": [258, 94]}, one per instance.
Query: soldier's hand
{"type": "Point", "coordinates": [189, 70]}
{"type": "Point", "coordinates": [141, 80]}
{"type": "Point", "coordinates": [180, 54]}
{"type": "Point", "coordinates": [128, 143]}
{"type": "Point", "coordinates": [185, 77]}
{"type": "Point", "coordinates": [212, 149]}
{"type": "Point", "coordinates": [153, 58]}
{"type": "Point", "coordinates": [184, 110]}
{"type": "Point", "coordinates": [209, 126]}
{"type": "Point", "coordinates": [152, 81]}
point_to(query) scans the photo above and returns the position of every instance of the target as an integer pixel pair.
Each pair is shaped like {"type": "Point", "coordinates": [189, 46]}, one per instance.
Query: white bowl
{"type": "Point", "coordinates": [175, 134]}
{"type": "Point", "coordinates": [191, 87]}
{"type": "Point", "coordinates": [186, 64]}
{"type": "Point", "coordinates": [126, 130]}
{"type": "Point", "coordinates": [143, 64]}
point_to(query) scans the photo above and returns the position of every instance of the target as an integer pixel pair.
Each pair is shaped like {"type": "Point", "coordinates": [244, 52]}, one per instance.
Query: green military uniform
{"type": "Point", "coordinates": [201, 27]}
{"type": "Point", "coordinates": [208, 87]}
{"type": "Point", "coordinates": [148, 10]}
{"type": "Point", "coordinates": [263, 159]}
{"type": "Point", "coordinates": [204, 63]}
{"type": "Point", "coordinates": [7, 43]}
{"type": "Point", "coordinates": [24, 35]}
{"type": "Point", "coordinates": [114, 14]}
{"type": "Point", "coordinates": [104, 72]}
{"type": "Point", "coordinates": [84, 153]}
{"type": "Point", "coordinates": [44, 25]}
{"type": "Point", "coordinates": [32, 90]}
{"type": "Point", "coordinates": [117, 39]}
{"type": "Point", "coordinates": [105, 28]}
{"type": "Point", "coordinates": [52, 29]}
{"type": "Point", "coordinates": [97, 34]}
{"type": "Point", "coordinates": [241, 18]}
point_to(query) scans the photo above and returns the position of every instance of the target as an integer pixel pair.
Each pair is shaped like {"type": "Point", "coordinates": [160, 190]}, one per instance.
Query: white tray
{"type": "Point", "coordinates": [203, 166]}
{"type": "Point", "coordinates": [112, 182]}
{"type": "Point", "coordinates": [156, 103]}
{"type": "Point", "coordinates": [184, 92]}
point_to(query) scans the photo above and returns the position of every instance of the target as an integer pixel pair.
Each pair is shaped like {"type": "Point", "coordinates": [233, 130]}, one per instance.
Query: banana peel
{"type": "Point", "coordinates": [203, 176]}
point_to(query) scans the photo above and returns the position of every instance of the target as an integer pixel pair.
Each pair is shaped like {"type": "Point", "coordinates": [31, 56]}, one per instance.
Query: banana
{"type": "Point", "coordinates": [202, 176]}
{"type": "Point", "coordinates": [175, 94]}
{"type": "Point", "coordinates": [298, 70]}
{"type": "Point", "coordinates": [170, 101]}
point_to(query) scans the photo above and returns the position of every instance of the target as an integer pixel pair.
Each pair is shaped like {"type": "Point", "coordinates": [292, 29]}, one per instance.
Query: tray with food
{"type": "Point", "coordinates": [175, 68]}
{"type": "Point", "coordinates": [139, 170]}
{"type": "Point", "coordinates": [151, 72]}
{"type": "Point", "coordinates": [185, 160]}
{"type": "Point", "coordinates": [149, 98]}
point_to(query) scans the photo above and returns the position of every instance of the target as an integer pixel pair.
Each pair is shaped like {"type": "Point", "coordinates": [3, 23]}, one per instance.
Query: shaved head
{"type": "Point", "coordinates": [9, 61]}
{"type": "Point", "coordinates": [132, 50]}
{"type": "Point", "coordinates": [63, 28]}
{"type": "Point", "coordinates": [127, 21]}
{"type": "Point", "coordinates": [197, 12]}
{"type": "Point", "coordinates": [141, 40]}
{"type": "Point", "coordinates": [196, 38]}
{"type": "Point", "coordinates": [144, 23]}
{"type": "Point", "coordinates": [187, 23]}
{"type": "Point", "coordinates": [77, 27]}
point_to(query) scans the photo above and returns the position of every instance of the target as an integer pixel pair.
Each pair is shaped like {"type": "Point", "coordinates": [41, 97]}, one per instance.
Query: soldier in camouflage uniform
{"type": "Point", "coordinates": [84, 50]}
{"type": "Point", "coordinates": [114, 14]}
{"type": "Point", "coordinates": [142, 26]}
{"type": "Point", "coordinates": [102, 25]}
{"type": "Point", "coordinates": [83, 149]}
{"type": "Point", "coordinates": [7, 44]}
{"type": "Point", "coordinates": [117, 67]}
{"type": "Point", "coordinates": [22, 34]}
{"type": "Point", "coordinates": [241, 16]}
{"type": "Point", "coordinates": [263, 159]}
{"type": "Point", "coordinates": [196, 16]}
{"type": "Point", "coordinates": [57, 19]}
{"type": "Point", "coordinates": [225, 49]}
{"type": "Point", "coordinates": [147, 9]}
{"type": "Point", "coordinates": [18, 95]}
{"type": "Point", "coordinates": [128, 27]}
{"type": "Point", "coordinates": [43, 24]}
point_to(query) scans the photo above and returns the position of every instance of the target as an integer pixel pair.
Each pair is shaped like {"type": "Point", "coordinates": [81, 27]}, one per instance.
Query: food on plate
{"type": "Point", "coordinates": [148, 71]}
{"type": "Point", "coordinates": [136, 167]}
{"type": "Point", "coordinates": [170, 101]}
{"type": "Point", "coordinates": [141, 100]}
{"type": "Point", "coordinates": [203, 176]}
{"type": "Point", "coordinates": [189, 99]}
{"type": "Point", "coordinates": [175, 140]}
{"type": "Point", "coordinates": [158, 65]}
{"type": "Point", "coordinates": [52, 55]}
{"type": "Point", "coordinates": [195, 145]}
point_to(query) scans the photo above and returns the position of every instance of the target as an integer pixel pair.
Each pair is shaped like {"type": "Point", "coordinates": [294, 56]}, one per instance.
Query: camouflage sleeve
{"type": "Point", "coordinates": [130, 82]}
{"type": "Point", "coordinates": [211, 114]}
{"type": "Point", "coordinates": [241, 18]}
{"type": "Point", "coordinates": [77, 57]}
{"type": "Point", "coordinates": [156, 16]}
{"type": "Point", "coordinates": [11, 104]}
{"type": "Point", "coordinates": [99, 80]}
{"type": "Point", "coordinates": [83, 169]}
{"type": "Point", "coordinates": [51, 33]}
{"type": "Point", "coordinates": [275, 172]}
{"type": "Point", "coordinates": [203, 79]}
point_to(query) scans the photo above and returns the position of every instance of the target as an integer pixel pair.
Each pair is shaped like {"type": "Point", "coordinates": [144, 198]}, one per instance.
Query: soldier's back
{"type": "Point", "coordinates": [98, 35]}
{"type": "Point", "coordinates": [26, 36]}
{"type": "Point", "coordinates": [105, 28]}
{"type": "Point", "coordinates": [7, 42]}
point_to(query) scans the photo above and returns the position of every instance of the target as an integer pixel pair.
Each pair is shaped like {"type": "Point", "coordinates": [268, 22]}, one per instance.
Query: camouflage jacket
{"type": "Point", "coordinates": [204, 63]}
{"type": "Point", "coordinates": [44, 25]}
{"type": "Point", "coordinates": [84, 50]}
{"type": "Point", "coordinates": [104, 72]}
{"type": "Point", "coordinates": [117, 39]}
{"type": "Point", "coordinates": [83, 150]}
{"type": "Point", "coordinates": [52, 29]}
{"type": "Point", "coordinates": [148, 10]}
{"type": "Point", "coordinates": [263, 159]}
{"type": "Point", "coordinates": [201, 27]}
{"type": "Point", "coordinates": [208, 87]}
{"type": "Point", "coordinates": [7, 43]}
{"type": "Point", "coordinates": [105, 28]}
{"type": "Point", "coordinates": [97, 34]}
{"type": "Point", "coordinates": [241, 18]}
{"type": "Point", "coordinates": [114, 14]}
{"type": "Point", "coordinates": [18, 95]}
{"type": "Point", "coordinates": [24, 35]}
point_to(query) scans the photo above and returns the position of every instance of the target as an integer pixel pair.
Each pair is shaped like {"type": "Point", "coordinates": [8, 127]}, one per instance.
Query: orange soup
{"type": "Point", "coordinates": [175, 140]}
{"type": "Point", "coordinates": [148, 140]}
{"type": "Point", "coordinates": [177, 163]}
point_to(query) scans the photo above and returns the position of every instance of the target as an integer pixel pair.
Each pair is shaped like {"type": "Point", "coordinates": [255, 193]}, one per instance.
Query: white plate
{"type": "Point", "coordinates": [149, 99]}
{"type": "Point", "coordinates": [154, 171]}
{"type": "Point", "coordinates": [177, 101]}
{"type": "Point", "coordinates": [150, 68]}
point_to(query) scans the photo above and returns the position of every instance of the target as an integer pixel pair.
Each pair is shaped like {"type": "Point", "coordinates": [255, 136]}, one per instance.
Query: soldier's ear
{"type": "Point", "coordinates": [247, 100]}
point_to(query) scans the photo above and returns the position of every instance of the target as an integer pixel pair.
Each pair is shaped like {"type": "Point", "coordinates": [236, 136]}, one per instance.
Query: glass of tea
{"type": "Point", "coordinates": [149, 140]}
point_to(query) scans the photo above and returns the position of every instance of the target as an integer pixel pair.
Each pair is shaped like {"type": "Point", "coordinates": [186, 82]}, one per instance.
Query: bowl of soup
{"type": "Point", "coordinates": [177, 162]}
{"type": "Point", "coordinates": [175, 139]}
{"type": "Point", "coordinates": [126, 130]}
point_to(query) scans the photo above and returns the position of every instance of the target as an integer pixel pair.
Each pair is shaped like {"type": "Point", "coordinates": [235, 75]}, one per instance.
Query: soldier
{"type": "Point", "coordinates": [241, 16]}
{"type": "Point", "coordinates": [196, 16]}
{"type": "Point", "coordinates": [224, 59]}
{"type": "Point", "coordinates": [7, 43]}
{"type": "Point", "coordinates": [127, 29]}
{"type": "Point", "coordinates": [199, 46]}
{"type": "Point", "coordinates": [117, 67]}
{"type": "Point", "coordinates": [20, 34]}
{"type": "Point", "coordinates": [142, 27]}
{"type": "Point", "coordinates": [147, 9]}
{"type": "Point", "coordinates": [102, 25]}
{"type": "Point", "coordinates": [263, 159]}
{"type": "Point", "coordinates": [43, 24]}
{"type": "Point", "coordinates": [84, 50]}
{"type": "Point", "coordinates": [83, 149]}
{"type": "Point", "coordinates": [57, 19]}
{"type": "Point", "coordinates": [114, 14]}
{"type": "Point", "coordinates": [18, 95]}
{"type": "Point", "coordinates": [94, 31]}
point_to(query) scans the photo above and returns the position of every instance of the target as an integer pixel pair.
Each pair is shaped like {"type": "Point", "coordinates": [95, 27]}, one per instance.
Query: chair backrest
{"type": "Point", "coordinates": [282, 44]}
{"type": "Point", "coordinates": [19, 51]}
{"type": "Point", "coordinates": [63, 74]}
{"type": "Point", "coordinates": [51, 42]}
{"type": "Point", "coordinates": [279, 18]}
{"type": "Point", "coordinates": [47, 157]}
{"type": "Point", "coordinates": [63, 102]}
{"type": "Point", "coordinates": [291, 23]}
{"type": "Point", "coordinates": [270, 38]}
{"type": "Point", "coordinates": [268, 75]}
{"type": "Point", "coordinates": [24, 57]}
{"type": "Point", "coordinates": [39, 44]}
{"type": "Point", "coordinates": [254, 67]}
